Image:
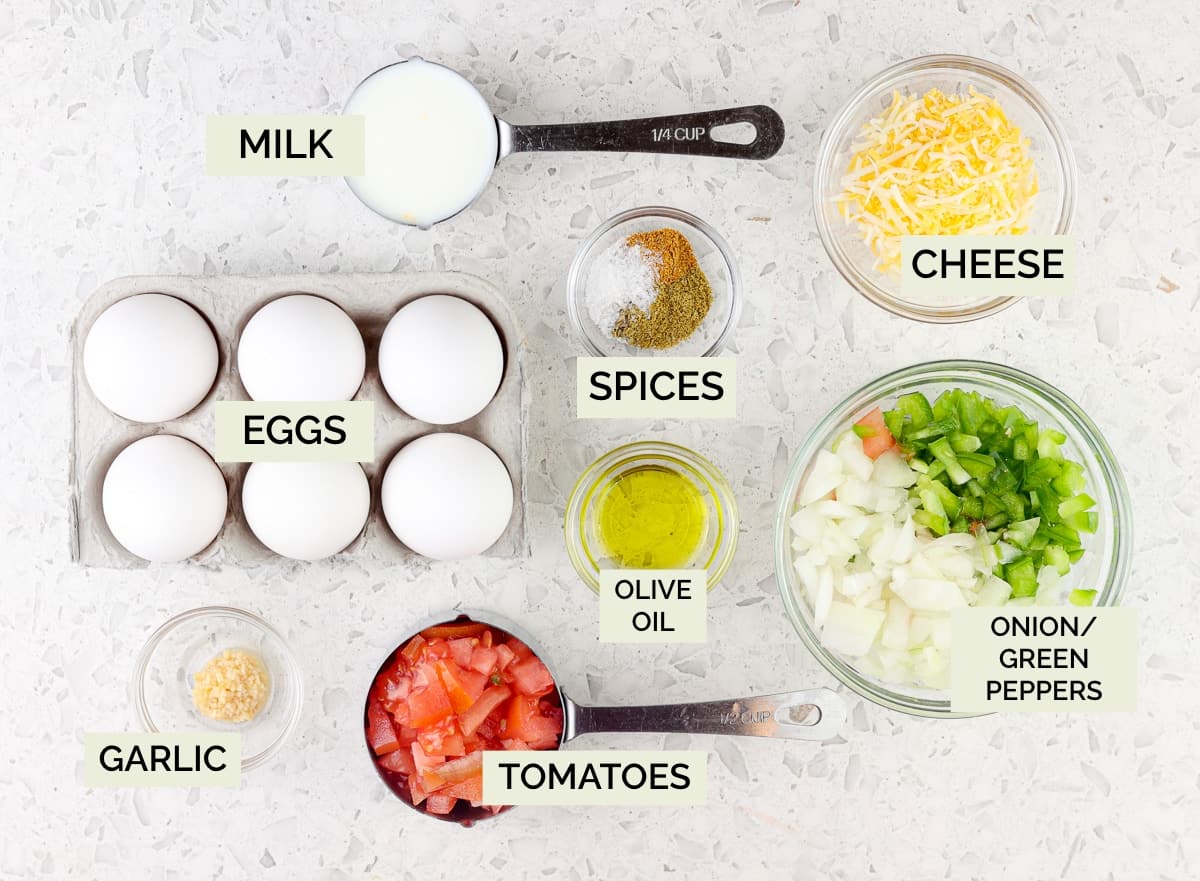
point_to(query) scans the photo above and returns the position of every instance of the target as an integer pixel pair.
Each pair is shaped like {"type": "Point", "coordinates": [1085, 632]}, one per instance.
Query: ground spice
{"type": "Point", "coordinates": [682, 298]}
{"type": "Point", "coordinates": [674, 315]}
{"type": "Point", "coordinates": [673, 249]}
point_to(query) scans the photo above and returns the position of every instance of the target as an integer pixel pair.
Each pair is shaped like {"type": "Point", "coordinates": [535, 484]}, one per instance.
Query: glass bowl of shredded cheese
{"type": "Point", "coordinates": [938, 145]}
{"type": "Point", "coordinates": [222, 669]}
{"type": "Point", "coordinates": [653, 281]}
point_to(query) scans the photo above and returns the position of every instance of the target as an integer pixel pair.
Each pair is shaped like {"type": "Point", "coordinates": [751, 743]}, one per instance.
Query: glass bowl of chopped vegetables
{"type": "Point", "coordinates": [651, 505]}
{"type": "Point", "coordinates": [222, 669]}
{"type": "Point", "coordinates": [938, 145]}
{"type": "Point", "coordinates": [940, 486]}
{"type": "Point", "coordinates": [653, 281]}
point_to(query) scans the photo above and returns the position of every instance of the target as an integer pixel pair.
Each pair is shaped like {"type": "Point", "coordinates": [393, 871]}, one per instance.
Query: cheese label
{"type": "Point", "coordinates": [938, 268]}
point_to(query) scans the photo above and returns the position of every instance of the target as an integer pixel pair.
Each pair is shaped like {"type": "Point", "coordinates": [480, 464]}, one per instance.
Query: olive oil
{"type": "Point", "coordinates": [652, 518]}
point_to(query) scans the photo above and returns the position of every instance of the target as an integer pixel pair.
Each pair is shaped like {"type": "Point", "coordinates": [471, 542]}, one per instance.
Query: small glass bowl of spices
{"type": "Point", "coordinates": [218, 668]}
{"type": "Point", "coordinates": [654, 281]}
{"type": "Point", "coordinates": [651, 505]}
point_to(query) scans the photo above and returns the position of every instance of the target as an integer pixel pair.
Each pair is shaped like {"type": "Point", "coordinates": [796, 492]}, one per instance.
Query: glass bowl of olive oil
{"type": "Point", "coordinates": [651, 505]}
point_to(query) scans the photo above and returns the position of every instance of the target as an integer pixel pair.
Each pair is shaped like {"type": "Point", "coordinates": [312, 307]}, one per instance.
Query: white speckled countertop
{"type": "Point", "coordinates": [101, 175]}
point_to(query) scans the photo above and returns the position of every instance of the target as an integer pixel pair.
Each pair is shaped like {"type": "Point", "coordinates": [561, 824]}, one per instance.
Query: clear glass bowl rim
{"type": "Point", "coordinates": [137, 687]}
{"type": "Point", "coordinates": [575, 280]}
{"type": "Point", "coordinates": [889, 78]}
{"type": "Point", "coordinates": [1053, 400]}
{"type": "Point", "coordinates": [723, 497]}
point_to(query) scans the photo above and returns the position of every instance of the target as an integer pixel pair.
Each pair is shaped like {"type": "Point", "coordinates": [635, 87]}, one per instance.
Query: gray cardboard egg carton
{"type": "Point", "coordinates": [228, 302]}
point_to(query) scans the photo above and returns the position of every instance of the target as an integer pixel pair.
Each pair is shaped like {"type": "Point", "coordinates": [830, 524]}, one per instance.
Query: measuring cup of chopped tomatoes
{"type": "Point", "coordinates": [460, 687]}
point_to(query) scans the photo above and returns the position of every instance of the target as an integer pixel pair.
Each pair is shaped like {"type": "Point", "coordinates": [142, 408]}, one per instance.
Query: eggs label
{"type": "Point", "coordinates": [209, 759]}
{"type": "Point", "coordinates": [655, 388]}
{"type": "Point", "coordinates": [1026, 659]}
{"type": "Point", "coordinates": [295, 431]}
{"type": "Point", "coordinates": [939, 268]}
{"type": "Point", "coordinates": [595, 777]}
{"type": "Point", "coordinates": [285, 145]}
{"type": "Point", "coordinates": [653, 605]}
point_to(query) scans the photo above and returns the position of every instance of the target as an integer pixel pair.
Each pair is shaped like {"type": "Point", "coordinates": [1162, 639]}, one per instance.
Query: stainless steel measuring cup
{"type": "Point", "coordinates": [812, 714]}
{"type": "Point", "coordinates": [686, 134]}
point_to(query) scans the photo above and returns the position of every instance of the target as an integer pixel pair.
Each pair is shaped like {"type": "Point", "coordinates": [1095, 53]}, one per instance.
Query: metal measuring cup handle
{"type": "Point", "coordinates": [814, 714]}
{"type": "Point", "coordinates": [687, 134]}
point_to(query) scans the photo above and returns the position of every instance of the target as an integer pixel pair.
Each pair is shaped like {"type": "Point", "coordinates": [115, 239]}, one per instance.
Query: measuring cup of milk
{"type": "Point", "coordinates": [432, 141]}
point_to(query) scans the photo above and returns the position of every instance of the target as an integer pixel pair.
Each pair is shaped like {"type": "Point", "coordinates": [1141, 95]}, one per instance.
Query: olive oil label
{"type": "Point", "coordinates": [595, 777]}
{"type": "Point", "coordinates": [208, 759]}
{"type": "Point", "coordinates": [295, 431]}
{"type": "Point", "coordinates": [653, 605]}
{"type": "Point", "coordinates": [956, 268]}
{"type": "Point", "coordinates": [1065, 660]}
{"type": "Point", "coordinates": [285, 145]}
{"type": "Point", "coordinates": [655, 388]}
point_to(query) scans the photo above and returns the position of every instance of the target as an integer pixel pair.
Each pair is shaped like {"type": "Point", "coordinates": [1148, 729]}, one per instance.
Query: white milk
{"type": "Point", "coordinates": [431, 142]}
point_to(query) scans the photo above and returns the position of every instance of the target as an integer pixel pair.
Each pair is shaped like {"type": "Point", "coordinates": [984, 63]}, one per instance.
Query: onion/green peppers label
{"type": "Point", "coordinates": [1053, 659]}
{"type": "Point", "coordinates": [653, 605]}
{"type": "Point", "coordinates": [595, 777]}
{"type": "Point", "coordinates": [209, 759]}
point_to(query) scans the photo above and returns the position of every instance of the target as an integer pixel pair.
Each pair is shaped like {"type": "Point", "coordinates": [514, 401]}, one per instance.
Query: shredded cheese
{"type": "Point", "coordinates": [937, 165]}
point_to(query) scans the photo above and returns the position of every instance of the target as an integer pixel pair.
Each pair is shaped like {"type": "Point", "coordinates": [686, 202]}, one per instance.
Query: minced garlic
{"type": "Point", "coordinates": [232, 687]}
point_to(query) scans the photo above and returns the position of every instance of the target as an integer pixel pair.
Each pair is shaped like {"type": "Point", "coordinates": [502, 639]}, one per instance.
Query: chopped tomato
{"type": "Point", "coordinates": [526, 722]}
{"type": "Point", "coordinates": [428, 704]}
{"type": "Point", "coordinates": [462, 769]}
{"type": "Point", "coordinates": [470, 790]}
{"type": "Point", "coordinates": [381, 734]}
{"type": "Point", "coordinates": [412, 651]}
{"type": "Point", "coordinates": [876, 438]}
{"type": "Point", "coordinates": [484, 659]}
{"type": "Point", "coordinates": [504, 655]}
{"type": "Point", "coordinates": [399, 762]}
{"type": "Point", "coordinates": [442, 739]}
{"type": "Point", "coordinates": [530, 676]}
{"type": "Point", "coordinates": [492, 697]}
{"type": "Point", "coordinates": [463, 686]}
{"type": "Point", "coordinates": [436, 650]}
{"type": "Point", "coordinates": [440, 804]}
{"type": "Point", "coordinates": [451, 693]}
{"type": "Point", "coordinates": [460, 650]}
{"type": "Point", "coordinates": [416, 789]}
{"type": "Point", "coordinates": [519, 648]}
{"type": "Point", "coordinates": [454, 631]}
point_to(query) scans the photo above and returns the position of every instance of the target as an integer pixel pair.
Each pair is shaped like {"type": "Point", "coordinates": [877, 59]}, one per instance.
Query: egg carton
{"type": "Point", "coordinates": [228, 302]}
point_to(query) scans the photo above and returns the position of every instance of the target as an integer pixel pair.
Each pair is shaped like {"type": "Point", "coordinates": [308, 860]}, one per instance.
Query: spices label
{"type": "Point", "coordinates": [939, 268]}
{"type": "Point", "coordinates": [209, 759]}
{"type": "Point", "coordinates": [295, 431]}
{"type": "Point", "coordinates": [1056, 659]}
{"type": "Point", "coordinates": [285, 145]}
{"type": "Point", "coordinates": [653, 605]}
{"type": "Point", "coordinates": [655, 388]}
{"type": "Point", "coordinates": [595, 777]}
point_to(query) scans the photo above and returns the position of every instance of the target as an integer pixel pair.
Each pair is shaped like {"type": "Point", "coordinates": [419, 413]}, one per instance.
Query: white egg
{"type": "Point", "coordinates": [301, 348]}
{"type": "Point", "coordinates": [447, 496]}
{"type": "Point", "coordinates": [164, 499]}
{"type": "Point", "coordinates": [306, 510]}
{"type": "Point", "coordinates": [440, 359]}
{"type": "Point", "coordinates": [150, 358]}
